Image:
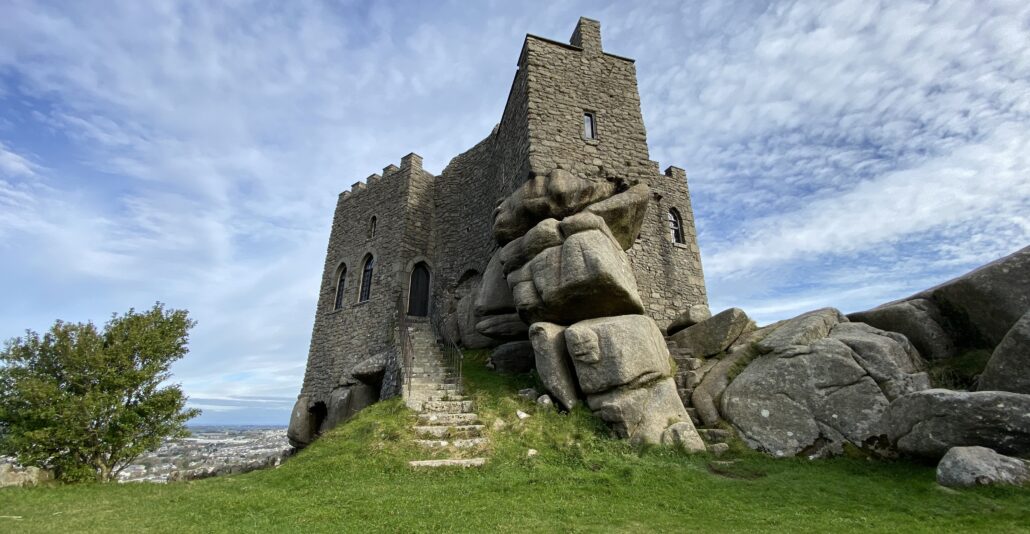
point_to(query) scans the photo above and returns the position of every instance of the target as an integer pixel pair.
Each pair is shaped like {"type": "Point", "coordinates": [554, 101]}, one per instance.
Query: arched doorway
{"type": "Point", "coordinates": [418, 290]}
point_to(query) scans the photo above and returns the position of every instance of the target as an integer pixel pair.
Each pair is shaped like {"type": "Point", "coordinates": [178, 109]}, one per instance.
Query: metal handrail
{"type": "Point", "coordinates": [407, 350]}
{"type": "Point", "coordinates": [454, 358]}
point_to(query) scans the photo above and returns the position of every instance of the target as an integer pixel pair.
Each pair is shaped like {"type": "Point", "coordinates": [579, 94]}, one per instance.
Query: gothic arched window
{"type": "Point", "coordinates": [676, 226]}
{"type": "Point", "coordinates": [340, 284]}
{"type": "Point", "coordinates": [366, 278]}
{"type": "Point", "coordinates": [372, 227]}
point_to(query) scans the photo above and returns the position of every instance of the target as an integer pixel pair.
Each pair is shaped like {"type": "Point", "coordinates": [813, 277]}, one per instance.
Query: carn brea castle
{"type": "Point", "coordinates": [557, 219]}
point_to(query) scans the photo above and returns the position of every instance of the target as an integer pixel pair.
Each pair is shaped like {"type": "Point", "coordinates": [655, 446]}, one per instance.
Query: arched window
{"type": "Point", "coordinates": [372, 227]}
{"type": "Point", "coordinates": [366, 278]}
{"type": "Point", "coordinates": [418, 290]}
{"type": "Point", "coordinates": [676, 226]}
{"type": "Point", "coordinates": [340, 284]}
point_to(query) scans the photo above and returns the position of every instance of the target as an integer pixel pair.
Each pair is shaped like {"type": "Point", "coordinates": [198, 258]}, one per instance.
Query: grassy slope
{"type": "Point", "coordinates": [356, 477]}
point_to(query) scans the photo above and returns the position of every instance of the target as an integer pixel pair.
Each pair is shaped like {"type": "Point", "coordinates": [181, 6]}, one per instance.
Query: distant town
{"type": "Point", "coordinates": [211, 451]}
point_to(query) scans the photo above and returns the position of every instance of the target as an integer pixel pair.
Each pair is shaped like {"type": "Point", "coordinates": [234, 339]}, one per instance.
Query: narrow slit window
{"type": "Point", "coordinates": [372, 227]}
{"type": "Point", "coordinates": [589, 126]}
{"type": "Point", "coordinates": [366, 279]}
{"type": "Point", "coordinates": [340, 285]}
{"type": "Point", "coordinates": [676, 227]}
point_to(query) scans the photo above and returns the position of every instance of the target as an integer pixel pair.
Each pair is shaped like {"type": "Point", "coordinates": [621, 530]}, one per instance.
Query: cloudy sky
{"type": "Point", "coordinates": [838, 155]}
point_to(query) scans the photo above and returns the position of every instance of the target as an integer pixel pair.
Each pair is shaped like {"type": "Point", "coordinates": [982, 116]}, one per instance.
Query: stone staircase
{"type": "Point", "coordinates": [446, 424]}
{"type": "Point", "coordinates": [689, 373]}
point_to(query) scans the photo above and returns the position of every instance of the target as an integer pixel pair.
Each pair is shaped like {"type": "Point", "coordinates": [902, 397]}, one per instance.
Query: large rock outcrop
{"type": "Point", "coordinates": [975, 310]}
{"type": "Point", "coordinates": [820, 382]}
{"type": "Point", "coordinates": [989, 299]}
{"type": "Point", "coordinates": [1009, 366]}
{"type": "Point", "coordinates": [964, 467]}
{"type": "Point", "coordinates": [563, 256]}
{"type": "Point", "coordinates": [622, 367]}
{"type": "Point", "coordinates": [553, 363]}
{"type": "Point", "coordinates": [554, 195]}
{"type": "Point", "coordinates": [587, 276]}
{"type": "Point", "coordinates": [919, 320]}
{"type": "Point", "coordinates": [624, 213]}
{"type": "Point", "coordinates": [928, 423]}
{"type": "Point", "coordinates": [715, 334]}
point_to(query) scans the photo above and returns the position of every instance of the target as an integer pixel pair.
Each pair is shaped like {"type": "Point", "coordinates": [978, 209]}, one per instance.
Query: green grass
{"type": "Point", "coordinates": [356, 479]}
{"type": "Point", "coordinates": [960, 371]}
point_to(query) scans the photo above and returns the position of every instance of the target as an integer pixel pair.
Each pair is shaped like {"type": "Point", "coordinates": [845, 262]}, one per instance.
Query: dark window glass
{"type": "Point", "coordinates": [340, 284]}
{"type": "Point", "coordinates": [418, 291]}
{"type": "Point", "coordinates": [589, 126]}
{"type": "Point", "coordinates": [676, 226]}
{"type": "Point", "coordinates": [366, 279]}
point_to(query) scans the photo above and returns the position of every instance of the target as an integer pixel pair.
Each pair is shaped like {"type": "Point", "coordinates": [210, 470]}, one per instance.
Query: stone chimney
{"type": "Point", "coordinates": [587, 36]}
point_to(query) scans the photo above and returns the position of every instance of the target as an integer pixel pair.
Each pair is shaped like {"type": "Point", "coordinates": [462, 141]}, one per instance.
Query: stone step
{"type": "Point", "coordinates": [448, 406]}
{"type": "Point", "coordinates": [432, 381]}
{"type": "Point", "coordinates": [460, 443]}
{"type": "Point", "coordinates": [448, 419]}
{"type": "Point", "coordinates": [714, 435]}
{"type": "Point", "coordinates": [457, 431]}
{"type": "Point", "coordinates": [448, 386]}
{"type": "Point", "coordinates": [452, 462]}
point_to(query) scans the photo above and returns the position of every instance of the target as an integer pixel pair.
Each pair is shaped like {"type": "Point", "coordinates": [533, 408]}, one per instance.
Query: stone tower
{"type": "Point", "coordinates": [413, 244]}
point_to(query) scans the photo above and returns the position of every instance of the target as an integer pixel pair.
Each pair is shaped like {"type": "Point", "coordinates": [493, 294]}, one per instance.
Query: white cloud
{"type": "Point", "coordinates": [193, 153]}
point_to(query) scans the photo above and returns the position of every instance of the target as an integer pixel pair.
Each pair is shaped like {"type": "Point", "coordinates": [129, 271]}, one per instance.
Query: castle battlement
{"type": "Point", "coordinates": [411, 166]}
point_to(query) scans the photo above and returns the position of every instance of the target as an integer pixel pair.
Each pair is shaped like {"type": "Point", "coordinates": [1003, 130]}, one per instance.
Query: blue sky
{"type": "Point", "coordinates": [838, 154]}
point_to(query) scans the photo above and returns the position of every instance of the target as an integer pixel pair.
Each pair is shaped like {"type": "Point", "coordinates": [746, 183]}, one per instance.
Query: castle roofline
{"type": "Point", "coordinates": [568, 46]}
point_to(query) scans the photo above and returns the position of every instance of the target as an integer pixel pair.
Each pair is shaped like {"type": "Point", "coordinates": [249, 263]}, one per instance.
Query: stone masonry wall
{"type": "Point", "coordinates": [399, 199]}
{"type": "Point", "coordinates": [470, 187]}
{"type": "Point", "coordinates": [669, 274]}
{"type": "Point", "coordinates": [566, 81]}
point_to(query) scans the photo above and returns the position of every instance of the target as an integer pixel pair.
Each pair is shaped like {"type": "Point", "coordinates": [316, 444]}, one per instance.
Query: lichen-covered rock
{"type": "Point", "coordinates": [612, 352]}
{"type": "Point", "coordinates": [514, 357]}
{"type": "Point", "coordinates": [919, 320]}
{"type": "Point", "coordinates": [494, 296]}
{"type": "Point", "coordinates": [689, 317]}
{"type": "Point", "coordinates": [821, 384]}
{"type": "Point", "coordinates": [707, 396]}
{"type": "Point", "coordinates": [683, 436]}
{"type": "Point", "coordinates": [554, 195]}
{"type": "Point", "coordinates": [963, 467]}
{"type": "Point", "coordinates": [714, 335]}
{"type": "Point", "coordinates": [303, 424]}
{"type": "Point", "coordinates": [928, 423]}
{"type": "Point", "coordinates": [553, 363]}
{"type": "Point", "coordinates": [587, 276]}
{"type": "Point", "coordinates": [466, 320]}
{"type": "Point", "coordinates": [624, 213]}
{"type": "Point", "coordinates": [344, 402]}
{"type": "Point", "coordinates": [1009, 366]}
{"type": "Point", "coordinates": [887, 357]}
{"type": "Point", "coordinates": [507, 327]}
{"type": "Point", "coordinates": [801, 330]}
{"type": "Point", "coordinates": [22, 477]}
{"type": "Point", "coordinates": [643, 414]}
{"type": "Point", "coordinates": [989, 299]}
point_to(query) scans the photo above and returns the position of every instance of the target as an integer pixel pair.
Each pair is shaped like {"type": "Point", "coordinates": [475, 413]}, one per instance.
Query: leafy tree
{"type": "Point", "coordinates": [86, 403]}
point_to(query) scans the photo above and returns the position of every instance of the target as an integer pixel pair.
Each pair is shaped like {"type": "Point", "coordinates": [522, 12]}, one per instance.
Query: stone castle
{"type": "Point", "coordinates": [408, 247]}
